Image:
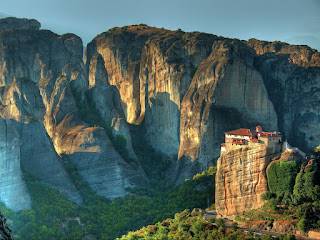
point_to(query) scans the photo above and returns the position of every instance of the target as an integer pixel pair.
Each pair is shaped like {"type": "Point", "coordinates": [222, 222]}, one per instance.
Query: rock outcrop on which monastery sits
{"type": "Point", "coordinates": [241, 179]}
{"type": "Point", "coordinates": [43, 84]}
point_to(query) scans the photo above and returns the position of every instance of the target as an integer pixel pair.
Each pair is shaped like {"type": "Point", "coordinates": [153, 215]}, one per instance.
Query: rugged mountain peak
{"type": "Point", "coordinates": [189, 88]}
{"type": "Point", "coordinates": [18, 23]}
{"type": "Point", "coordinates": [43, 101]}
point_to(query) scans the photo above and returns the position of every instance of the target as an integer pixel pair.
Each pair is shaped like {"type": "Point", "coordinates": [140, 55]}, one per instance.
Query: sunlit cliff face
{"type": "Point", "coordinates": [191, 87]}
{"type": "Point", "coordinates": [45, 97]}
{"type": "Point", "coordinates": [186, 89]}
{"type": "Point", "coordinates": [241, 179]}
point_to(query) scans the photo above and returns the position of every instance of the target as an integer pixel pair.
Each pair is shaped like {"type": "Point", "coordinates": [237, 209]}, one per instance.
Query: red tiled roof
{"type": "Point", "coordinates": [242, 132]}
{"type": "Point", "coordinates": [252, 133]}
{"type": "Point", "coordinates": [270, 134]}
{"type": "Point", "coordinates": [254, 140]}
{"type": "Point", "coordinates": [223, 144]}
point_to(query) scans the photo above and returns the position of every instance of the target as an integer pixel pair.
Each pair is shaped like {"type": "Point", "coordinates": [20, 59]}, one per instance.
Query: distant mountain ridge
{"type": "Point", "coordinates": [186, 89]}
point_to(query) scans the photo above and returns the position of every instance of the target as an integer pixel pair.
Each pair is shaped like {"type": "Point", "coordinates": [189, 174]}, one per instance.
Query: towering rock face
{"type": "Point", "coordinates": [292, 77]}
{"type": "Point", "coordinates": [225, 81]}
{"type": "Point", "coordinates": [43, 84]}
{"type": "Point", "coordinates": [190, 88]}
{"type": "Point", "coordinates": [241, 179]}
{"type": "Point", "coordinates": [104, 99]}
{"type": "Point", "coordinates": [186, 88]}
{"type": "Point", "coordinates": [151, 68]}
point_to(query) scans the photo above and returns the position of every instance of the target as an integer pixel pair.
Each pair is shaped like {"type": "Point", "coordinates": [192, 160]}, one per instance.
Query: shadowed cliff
{"type": "Point", "coordinates": [275, 85]}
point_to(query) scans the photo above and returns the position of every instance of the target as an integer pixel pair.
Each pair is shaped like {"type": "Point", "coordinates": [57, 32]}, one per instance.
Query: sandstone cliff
{"type": "Point", "coordinates": [186, 88]}
{"type": "Point", "coordinates": [189, 88]}
{"type": "Point", "coordinates": [291, 75]}
{"type": "Point", "coordinates": [42, 81]}
{"type": "Point", "coordinates": [241, 179]}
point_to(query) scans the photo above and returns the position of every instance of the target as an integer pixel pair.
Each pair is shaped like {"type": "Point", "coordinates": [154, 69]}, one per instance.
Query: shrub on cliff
{"type": "Point", "coordinates": [281, 177]}
{"type": "Point", "coordinates": [305, 188]}
{"type": "Point", "coordinates": [302, 225]}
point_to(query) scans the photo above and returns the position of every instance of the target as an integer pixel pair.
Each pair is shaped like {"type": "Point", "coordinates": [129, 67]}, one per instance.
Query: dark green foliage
{"type": "Point", "coordinates": [193, 71]}
{"type": "Point", "coordinates": [300, 201]}
{"type": "Point", "coordinates": [272, 204]}
{"type": "Point", "coordinates": [304, 187]}
{"type": "Point", "coordinates": [44, 220]}
{"type": "Point", "coordinates": [101, 217]}
{"type": "Point", "coordinates": [185, 226]}
{"type": "Point", "coordinates": [308, 215]}
{"type": "Point", "coordinates": [120, 144]}
{"type": "Point", "coordinates": [302, 225]}
{"type": "Point", "coordinates": [198, 192]}
{"type": "Point", "coordinates": [289, 237]}
{"type": "Point", "coordinates": [220, 222]}
{"type": "Point", "coordinates": [281, 177]}
{"type": "Point", "coordinates": [268, 195]}
{"type": "Point", "coordinates": [234, 226]}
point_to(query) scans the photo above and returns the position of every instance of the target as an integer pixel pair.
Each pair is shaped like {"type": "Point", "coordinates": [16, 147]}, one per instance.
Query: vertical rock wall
{"type": "Point", "coordinates": [190, 88]}
{"type": "Point", "coordinates": [43, 87]}
{"type": "Point", "coordinates": [241, 178]}
{"type": "Point", "coordinates": [13, 190]}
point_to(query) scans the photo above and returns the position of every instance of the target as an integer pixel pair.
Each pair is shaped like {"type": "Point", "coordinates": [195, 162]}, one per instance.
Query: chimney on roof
{"type": "Point", "coordinates": [258, 129]}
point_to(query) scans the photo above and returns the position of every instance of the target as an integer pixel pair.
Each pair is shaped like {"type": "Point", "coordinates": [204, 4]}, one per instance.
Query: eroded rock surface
{"type": "Point", "coordinates": [13, 190]}
{"type": "Point", "coordinates": [186, 88]}
{"type": "Point", "coordinates": [223, 82]}
{"type": "Point", "coordinates": [241, 179]}
{"type": "Point", "coordinates": [291, 75]}
{"type": "Point", "coordinates": [151, 69]}
{"type": "Point", "coordinates": [190, 88]}
{"type": "Point", "coordinates": [43, 85]}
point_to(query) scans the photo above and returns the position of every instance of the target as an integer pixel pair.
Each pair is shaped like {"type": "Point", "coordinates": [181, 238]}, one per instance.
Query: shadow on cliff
{"type": "Point", "coordinates": [162, 119]}
{"type": "Point", "coordinates": [289, 95]}
{"type": "Point", "coordinates": [224, 119]}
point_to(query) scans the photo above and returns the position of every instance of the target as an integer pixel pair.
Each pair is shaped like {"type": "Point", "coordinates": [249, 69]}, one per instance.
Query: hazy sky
{"type": "Point", "coordinates": [292, 21]}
